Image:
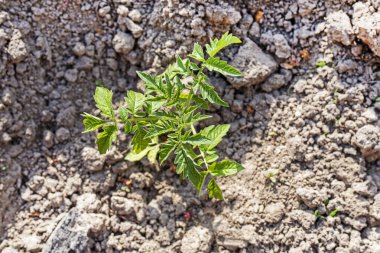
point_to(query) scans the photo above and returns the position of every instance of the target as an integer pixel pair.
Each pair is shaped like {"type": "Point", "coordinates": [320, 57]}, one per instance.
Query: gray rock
{"type": "Point", "coordinates": [274, 212]}
{"type": "Point", "coordinates": [371, 114]}
{"type": "Point", "coordinates": [256, 66]}
{"type": "Point", "coordinates": [339, 27]}
{"type": "Point", "coordinates": [67, 117]}
{"type": "Point", "coordinates": [92, 159]}
{"type": "Point", "coordinates": [277, 80]}
{"type": "Point", "coordinates": [88, 202]}
{"type": "Point", "coordinates": [84, 63]}
{"type": "Point", "coordinates": [72, 232]}
{"type": "Point", "coordinates": [305, 7]}
{"type": "Point", "coordinates": [48, 138]}
{"type": "Point", "coordinates": [135, 29]}
{"type": "Point", "coordinates": [123, 42]}
{"type": "Point", "coordinates": [312, 198]}
{"type": "Point", "coordinates": [283, 50]}
{"type": "Point", "coordinates": [62, 134]}
{"type": "Point", "coordinates": [122, 10]}
{"type": "Point", "coordinates": [71, 75]}
{"type": "Point", "coordinates": [17, 49]}
{"type": "Point", "coordinates": [367, 139]}
{"type": "Point", "coordinates": [222, 15]}
{"type": "Point", "coordinates": [122, 206]}
{"type": "Point", "coordinates": [198, 239]}
{"type": "Point", "coordinates": [31, 243]}
{"type": "Point", "coordinates": [374, 211]}
{"type": "Point", "coordinates": [79, 49]}
{"type": "Point", "coordinates": [366, 189]}
{"type": "Point", "coordinates": [135, 15]}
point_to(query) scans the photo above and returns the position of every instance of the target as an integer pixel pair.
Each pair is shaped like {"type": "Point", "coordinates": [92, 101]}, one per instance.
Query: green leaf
{"type": "Point", "coordinates": [180, 64]}
{"type": "Point", "coordinates": [166, 149]}
{"type": "Point", "coordinates": [103, 100]}
{"type": "Point", "coordinates": [214, 190]}
{"type": "Point", "coordinates": [225, 168]}
{"type": "Point", "coordinates": [152, 155]}
{"type": "Point", "coordinates": [139, 141]}
{"type": "Point", "coordinates": [147, 78]}
{"type": "Point", "coordinates": [169, 87]}
{"type": "Point", "coordinates": [161, 127]}
{"type": "Point", "coordinates": [153, 106]}
{"type": "Point", "coordinates": [91, 123]}
{"type": "Point", "coordinates": [127, 127]}
{"type": "Point", "coordinates": [106, 138]}
{"type": "Point", "coordinates": [210, 94]}
{"type": "Point", "coordinates": [200, 102]}
{"type": "Point", "coordinates": [135, 101]}
{"type": "Point", "coordinates": [216, 45]}
{"type": "Point", "coordinates": [377, 99]}
{"type": "Point", "coordinates": [197, 53]}
{"type": "Point", "coordinates": [211, 158]}
{"type": "Point", "coordinates": [215, 64]}
{"type": "Point", "coordinates": [199, 117]}
{"type": "Point", "coordinates": [123, 112]}
{"type": "Point", "coordinates": [334, 213]}
{"type": "Point", "coordinates": [195, 177]}
{"type": "Point", "coordinates": [198, 139]}
{"type": "Point", "coordinates": [134, 157]}
{"type": "Point", "coordinates": [185, 159]}
{"type": "Point", "coordinates": [214, 133]}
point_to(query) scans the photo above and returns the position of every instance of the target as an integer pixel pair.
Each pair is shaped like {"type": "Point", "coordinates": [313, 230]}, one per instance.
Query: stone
{"type": "Point", "coordinates": [88, 202]}
{"type": "Point", "coordinates": [84, 63]}
{"type": "Point", "coordinates": [277, 80]}
{"type": "Point", "coordinates": [274, 212]}
{"type": "Point", "coordinates": [48, 138]}
{"type": "Point", "coordinates": [17, 49]}
{"type": "Point", "coordinates": [123, 42]}
{"type": "Point", "coordinates": [92, 160]}
{"type": "Point", "coordinates": [339, 28]}
{"type": "Point", "coordinates": [122, 10]}
{"type": "Point", "coordinates": [371, 114]}
{"type": "Point", "coordinates": [135, 15]}
{"type": "Point", "coordinates": [135, 29]}
{"type": "Point", "coordinates": [31, 243]}
{"type": "Point", "coordinates": [222, 15]}
{"type": "Point", "coordinates": [122, 206]}
{"type": "Point", "coordinates": [67, 117]}
{"type": "Point", "coordinates": [367, 26]}
{"type": "Point", "coordinates": [311, 197]}
{"type": "Point", "coordinates": [374, 211]}
{"type": "Point", "coordinates": [62, 134]}
{"type": "Point", "coordinates": [367, 139]}
{"type": "Point", "coordinates": [283, 50]}
{"type": "Point", "coordinates": [197, 240]}
{"type": "Point", "coordinates": [79, 49]}
{"type": "Point", "coordinates": [255, 65]}
{"type": "Point", "coordinates": [71, 75]}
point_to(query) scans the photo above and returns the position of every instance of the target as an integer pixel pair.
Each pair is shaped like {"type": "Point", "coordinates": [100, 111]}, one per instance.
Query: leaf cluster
{"type": "Point", "coordinates": [162, 118]}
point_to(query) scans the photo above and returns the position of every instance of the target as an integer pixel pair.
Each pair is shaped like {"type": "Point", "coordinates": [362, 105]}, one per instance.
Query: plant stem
{"type": "Point", "coordinates": [202, 154]}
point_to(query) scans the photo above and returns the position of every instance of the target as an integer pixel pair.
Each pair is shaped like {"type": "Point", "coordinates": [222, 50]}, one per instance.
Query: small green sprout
{"type": "Point", "coordinates": [331, 214]}
{"type": "Point", "coordinates": [162, 120]}
{"type": "Point", "coordinates": [271, 175]}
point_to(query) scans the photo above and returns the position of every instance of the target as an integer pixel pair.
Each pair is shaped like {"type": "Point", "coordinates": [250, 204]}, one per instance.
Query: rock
{"type": "Point", "coordinates": [371, 114]}
{"type": "Point", "coordinates": [70, 235]}
{"type": "Point", "coordinates": [122, 10]}
{"type": "Point", "coordinates": [62, 134]}
{"type": "Point", "coordinates": [198, 239]}
{"type": "Point", "coordinates": [92, 159]}
{"type": "Point", "coordinates": [88, 202]}
{"type": "Point", "coordinates": [339, 28]}
{"type": "Point", "coordinates": [135, 15]}
{"type": "Point", "coordinates": [31, 243]}
{"type": "Point", "coordinates": [305, 7]}
{"type": "Point", "coordinates": [84, 63]}
{"type": "Point", "coordinates": [277, 80]}
{"type": "Point", "coordinates": [104, 11]}
{"type": "Point", "coordinates": [71, 75]}
{"type": "Point", "coordinates": [274, 212]}
{"type": "Point", "coordinates": [123, 43]}
{"type": "Point", "coordinates": [367, 139]}
{"type": "Point", "coordinates": [67, 117]}
{"type": "Point", "coordinates": [122, 206]}
{"type": "Point", "coordinates": [367, 26]}
{"type": "Point", "coordinates": [135, 29]}
{"type": "Point", "coordinates": [283, 50]}
{"type": "Point", "coordinates": [312, 198]}
{"type": "Point", "coordinates": [366, 189]}
{"type": "Point", "coordinates": [79, 49]}
{"type": "Point", "coordinates": [374, 211]}
{"type": "Point", "coordinates": [17, 49]}
{"type": "Point", "coordinates": [256, 66]}
{"type": "Point", "coordinates": [222, 15]}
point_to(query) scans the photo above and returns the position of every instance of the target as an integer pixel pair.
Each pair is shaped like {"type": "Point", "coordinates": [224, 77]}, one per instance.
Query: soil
{"type": "Point", "coordinates": [304, 123]}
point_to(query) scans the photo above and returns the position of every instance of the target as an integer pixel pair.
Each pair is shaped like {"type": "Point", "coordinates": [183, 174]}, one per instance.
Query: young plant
{"type": "Point", "coordinates": [162, 120]}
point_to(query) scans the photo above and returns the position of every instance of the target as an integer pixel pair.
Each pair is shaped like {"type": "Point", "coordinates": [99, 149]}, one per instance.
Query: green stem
{"type": "Point", "coordinates": [202, 154]}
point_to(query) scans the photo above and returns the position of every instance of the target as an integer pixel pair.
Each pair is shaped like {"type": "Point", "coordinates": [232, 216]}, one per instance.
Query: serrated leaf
{"type": "Point", "coordinates": [139, 141]}
{"type": "Point", "coordinates": [123, 112]}
{"type": "Point", "coordinates": [198, 117]}
{"type": "Point", "coordinates": [105, 138]}
{"type": "Point", "coordinates": [214, 190]}
{"type": "Point", "coordinates": [152, 154]}
{"type": "Point", "coordinates": [127, 127]}
{"type": "Point", "coordinates": [211, 158]}
{"type": "Point", "coordinates": [148, 79]}
{"type": "Point", "coordinates": [197, 53]}
{"type": "Point", "coordinates": [103, 100]}
{"type": "Point", "coordinates": [180, 64]}
{"type": "Point", "coordinates": [195, 177]}
{"type": "Point", "coordinates": [225, 168]}
{"type": "Point", "coordinates": [200, 101]}
{"type": "Point", "coordinates": [214, 133]}
{"type": "Point", "coordinates": [169, 87]}
{"type": "Point", "coordinates": [135, 101]}
{"type": "Point", "coordinates": [210, 94]}
{"type": "Point", "coordinates": [134, 157]}
{"type": "Point", "coordinates": [218, 44]}
{"type": "Point", "coordinates": [198, 139]}
{"type": "Point", "coordinates": [165, 151]}
{"type": "Point", "coordinates": [91, 123]}
{"type": "Point", "coordinates": [215, 64]}
{"type": "Point", "coordinates": [153, 106]}
{"type": "Point", "coordinates": [184, 159]}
